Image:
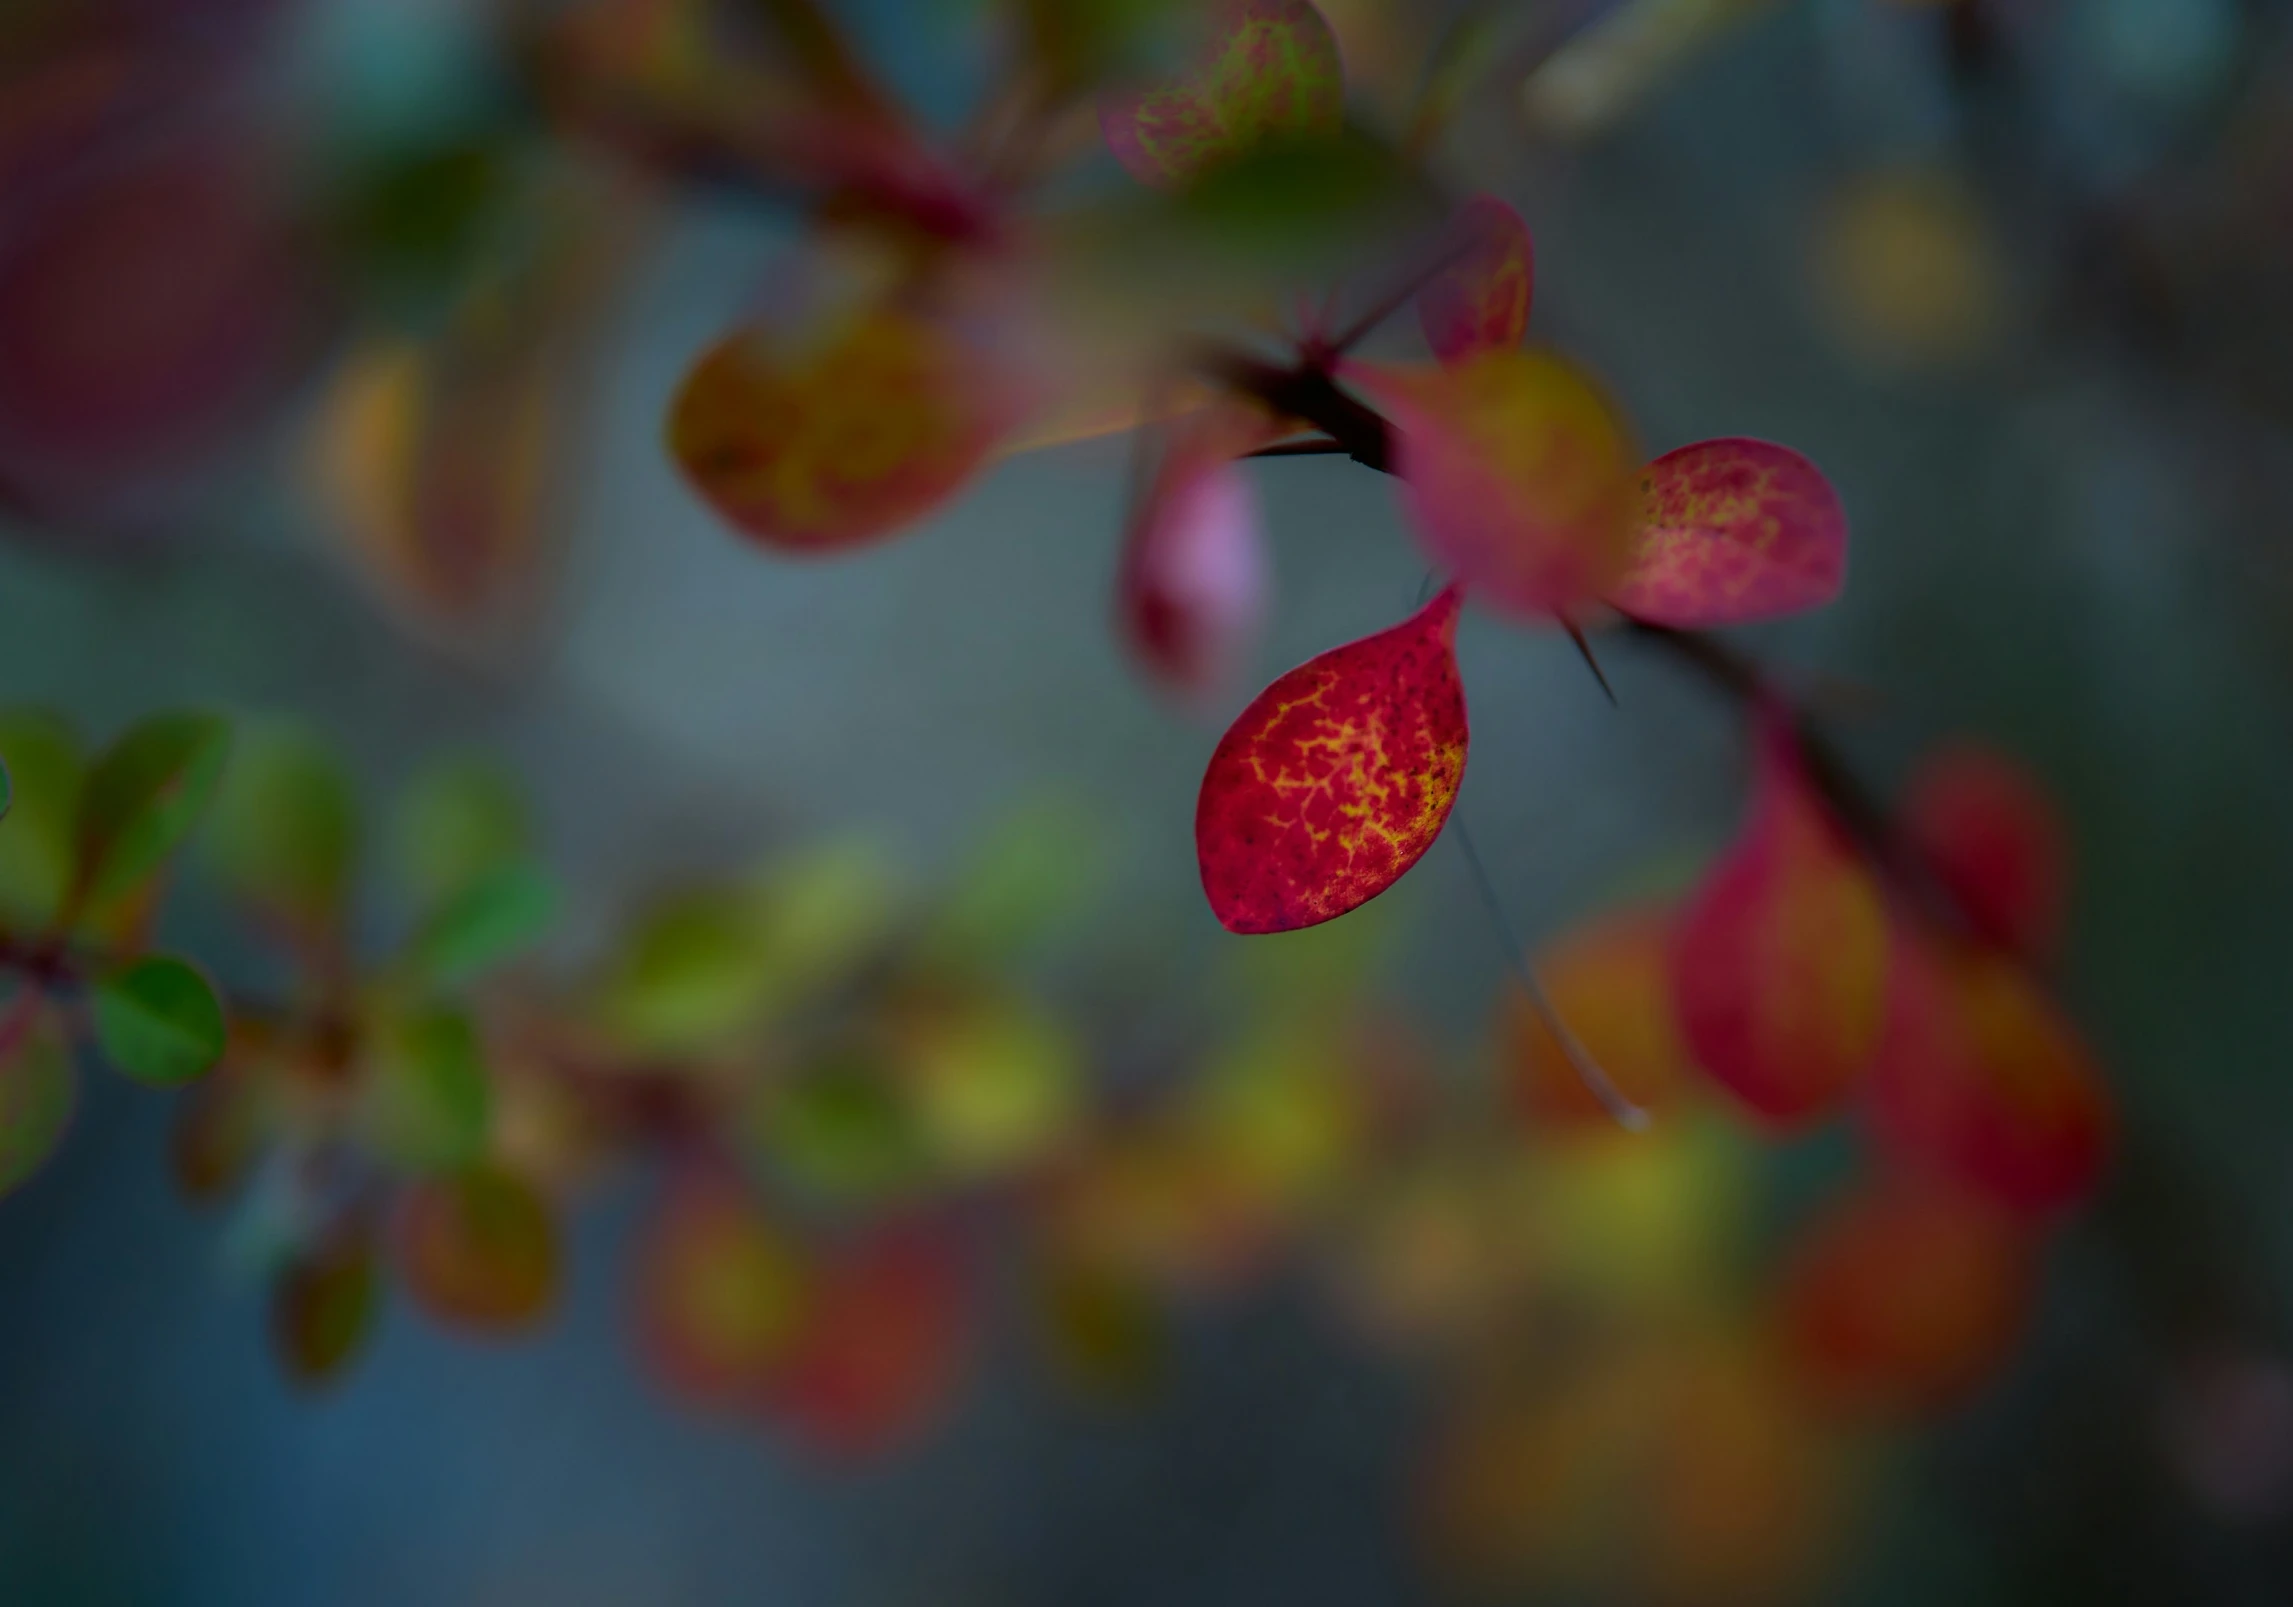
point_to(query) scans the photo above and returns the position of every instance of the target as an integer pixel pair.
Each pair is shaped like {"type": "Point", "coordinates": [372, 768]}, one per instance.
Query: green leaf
{"type": "Point", "coordinates": [840, 1131]}
{"type": "Point", "coordinates": [159, 1021]}
{"type": "Point", "coordinates": [283, 832]}
{"type": "Point", "coordinates": [324, 1306]}
{"type": "Point", "coordinates": [427, 1102]}
{"type": "Point", "coordinates": [696, 968]}
{"type": "Point", "coordinates": [45, 770]}
{"type": "Point", "coordinates": [142, 798]}
{"type": "Point", "coordinates": [35, 1098]}
{"type": "Point", "coordinates": [491, 920]}
{"type": "Point", "coordinates": [456, 824]}
{"type": "Point", "coordinates": [1033, 876]}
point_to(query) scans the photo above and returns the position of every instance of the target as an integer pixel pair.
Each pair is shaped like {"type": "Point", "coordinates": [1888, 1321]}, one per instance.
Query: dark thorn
{"type": "Point", "coordinates": [1576, 635]}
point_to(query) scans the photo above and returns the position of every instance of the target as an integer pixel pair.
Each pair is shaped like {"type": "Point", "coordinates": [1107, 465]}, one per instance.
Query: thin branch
{"type": "Point", "coordinates": [1320, 447]}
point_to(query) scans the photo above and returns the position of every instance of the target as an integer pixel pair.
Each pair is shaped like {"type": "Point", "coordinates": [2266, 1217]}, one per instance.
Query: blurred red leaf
{"type": "Point", "coordinates": [1267, 70]}
{"type": "Point", "coordinates": [1906, 1296]}
{"type": "Point", "coordinates": [1480, 301]}
{"type": "Point", "coordinates": [1193, 582]}
{"type": "Point", "coordinates": [882, 1351]}
{"type": "Point", "coordinates": [816, 443]}
{"type": "Point", "coordinates": [1779, 963]}
{"type": "Point", "coordinates": [148, 312]}
{"type": "Point", "coordinates": [1732, 531]}
{"type": "Point", "coordinates": [1980, 1077]}
{"type": "Point", "coordinates": [1994, 839]}
{"type": "Point", "coordinates": [1336, 779]}
{"type": "Point", "coordinates": [1517, 475]}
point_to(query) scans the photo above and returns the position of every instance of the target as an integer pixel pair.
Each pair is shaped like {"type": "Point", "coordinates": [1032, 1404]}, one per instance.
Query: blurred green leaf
{"type": "Point", "coordinates": [825, 909]}
{"type": "Point", "coordinates": [1034, 875]}
{"type": "Point", "coordinates": [494, 918]}
{"type": "Point", "coordinates": [159, 1021]}
{"type": "Point", "coordinates": [696, 969]}
{"type": "Point", "coordinates": [283, 832]}
{"type": "Point", "coordinates": [143, 795]}
{"type": "Point", "coordinates": [35, 1096]}
{"type": "Point", "coordinates": [459, 822]}
{"type": "Point", "coordinates": [840, 1131]}
{"type": "Point", "coordinates": [324, 1306]}
{"type": "Point", "coordinates": [427, 1102]}
{"type": "Point", "coordinates": [36, 840]}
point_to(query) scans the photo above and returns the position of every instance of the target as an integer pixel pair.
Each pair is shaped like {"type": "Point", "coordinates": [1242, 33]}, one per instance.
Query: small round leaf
{"type": "Point", "coordinates": [159, 1021]}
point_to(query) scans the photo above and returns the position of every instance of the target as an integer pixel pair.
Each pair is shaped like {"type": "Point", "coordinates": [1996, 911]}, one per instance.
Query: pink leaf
{"type": "Point", "coordinates": [1194, 574]}
{"type": "Point", "coordinates": [1269, 70]}
{"type": "Point", "coordinates": [1731, 531]}
{"type": "Point", "coordinates": [1779, 963]}
{"type": "Point", "coordinates": [1516, 473]}
{"type": "Point", "coordinates": [1480, 301]}
{"type": "Point", "coordinates": [1336, 779]}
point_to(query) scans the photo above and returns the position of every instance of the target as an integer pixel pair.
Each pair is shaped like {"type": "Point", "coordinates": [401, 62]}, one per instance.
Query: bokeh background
{"type": "Point", "coordinates": [2013, 272]}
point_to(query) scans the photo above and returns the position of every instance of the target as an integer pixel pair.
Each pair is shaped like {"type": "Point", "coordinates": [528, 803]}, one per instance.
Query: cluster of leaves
{"type": "Point", "coordinates": [86, 847]}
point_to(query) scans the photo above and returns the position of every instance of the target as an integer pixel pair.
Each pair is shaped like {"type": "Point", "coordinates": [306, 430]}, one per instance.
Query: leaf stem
{"type": "Point", "coordinates": [1613, 1099]}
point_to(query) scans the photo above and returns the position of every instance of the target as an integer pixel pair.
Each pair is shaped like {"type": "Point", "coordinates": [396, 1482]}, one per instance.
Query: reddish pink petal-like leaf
{"type": "Point", "coordinates": [1981, 1078]}
{"type": "Point", "coordinates": [1336, 779]}
{"type": "Point", "coordinates": [1779, 964]}
{"type": "Point", "coordinates": [1268, 70]}
{"type": "Point", "coordinates": [813, 445]}
{"type": "Point", "coordinates": [1516, 473]}
{"type": "Point", "coordinates": [1732, 531]}
{"type": "Point", "coordinates": [1194, 575]}
{"type": "Point", "coordinates": [1480, 301]}
{"type": "Point", "coordinates": [1993, 838]}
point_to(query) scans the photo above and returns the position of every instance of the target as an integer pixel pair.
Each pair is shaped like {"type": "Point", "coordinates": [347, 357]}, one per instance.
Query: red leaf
{"type": "Point", "coordinates": [1194, 576]}
{"type": "Point", "coordinates": [1906, 1297]}
{"type": "Point", "coordinates": [1993, 838]}
{"type": "Point", "coordinates": [1981, 1078]}
{"type": "Point", "coordinates": [1516, 473]}
{"type": "Point", "coordinates": [1336, 779]}
{"type": "Point", "coordinates": [1779, 964]}
{"type": "Point", "coordinates": [813, 445]}
{"type": "Point", "coordinates": [883, 1350]}
{"type": "Point", "coordinates": [1732, 531]}
{"type": "Point", "coordinates": [1268, 70]}
{"type": "Point", "coordinates": [1480, 301]}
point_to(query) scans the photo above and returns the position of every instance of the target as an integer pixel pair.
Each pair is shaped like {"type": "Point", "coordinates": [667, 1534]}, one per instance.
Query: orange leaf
{"type": "Point", "coordinates": [1905, 1297]}
{"type": "Point", "coordinates": [1336, 779]}
{"type": "Point", "coordinates": [1610, 982]}
{"type": "Point", "coordinates": [1517, 475]}
{"type": "Point", "coordinates": [479, 1250]}
{"type": "Point", "coordinates": [1779, 965]}
{"type": "Point", "coordinates": [820, 444]}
